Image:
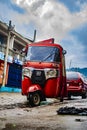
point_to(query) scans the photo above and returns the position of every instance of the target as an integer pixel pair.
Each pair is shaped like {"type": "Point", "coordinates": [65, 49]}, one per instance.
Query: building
{"type": "Point", "coordinates": [15, 59]}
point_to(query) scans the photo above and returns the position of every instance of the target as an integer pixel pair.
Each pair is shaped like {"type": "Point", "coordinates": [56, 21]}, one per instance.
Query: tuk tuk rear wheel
{"type": "Point", "coordinates": [34, 99]}
{"type": "Point", "coordinates": [69, 96]}
{"type": "Point", "coordinates": [84, 95]}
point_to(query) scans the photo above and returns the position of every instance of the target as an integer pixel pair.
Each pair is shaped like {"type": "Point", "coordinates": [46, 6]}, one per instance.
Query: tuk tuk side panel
{"type": "Point", "coordinates": [52, 88]}
{"type": "Point", "coordinates": [26, 82]}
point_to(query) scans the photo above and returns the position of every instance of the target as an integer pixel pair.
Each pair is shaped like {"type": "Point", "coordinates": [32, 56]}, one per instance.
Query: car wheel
{"type": "Point", "coordinates": [34, 99]}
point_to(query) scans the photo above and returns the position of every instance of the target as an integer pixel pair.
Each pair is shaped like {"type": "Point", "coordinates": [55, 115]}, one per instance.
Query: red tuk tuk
{"type": "Point", "coordinates": [44, 74]}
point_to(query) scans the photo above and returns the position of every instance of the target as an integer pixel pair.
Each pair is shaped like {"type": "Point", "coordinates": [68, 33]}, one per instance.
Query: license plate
{"type": "Point", "coordinates": [38, 73]}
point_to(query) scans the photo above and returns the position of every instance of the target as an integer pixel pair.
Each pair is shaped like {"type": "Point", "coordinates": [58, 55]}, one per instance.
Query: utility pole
{"type": "Point", "coordinates": [10, 28]}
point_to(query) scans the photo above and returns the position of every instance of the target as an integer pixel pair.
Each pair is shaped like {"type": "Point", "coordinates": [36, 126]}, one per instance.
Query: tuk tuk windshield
{"type": "Point", "coordinates": [43, 53]}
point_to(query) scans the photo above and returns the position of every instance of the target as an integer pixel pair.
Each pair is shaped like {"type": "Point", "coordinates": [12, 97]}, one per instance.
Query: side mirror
{"type": "Point", "coordinates": [64, 52]}
{"type": "Point", "coordinates": [24, 51]}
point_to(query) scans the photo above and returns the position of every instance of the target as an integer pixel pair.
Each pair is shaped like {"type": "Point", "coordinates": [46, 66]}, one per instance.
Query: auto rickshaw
{"type": "Point", "coordinates": [44, 74]}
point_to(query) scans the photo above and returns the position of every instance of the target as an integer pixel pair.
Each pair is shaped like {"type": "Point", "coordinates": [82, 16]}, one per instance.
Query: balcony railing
{"type": "Point", "coordinates": [14, 54]}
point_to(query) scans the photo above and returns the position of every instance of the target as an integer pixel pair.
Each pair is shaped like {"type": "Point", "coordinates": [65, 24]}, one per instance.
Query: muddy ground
{"type": "Point", "coordinates": [16, 114]}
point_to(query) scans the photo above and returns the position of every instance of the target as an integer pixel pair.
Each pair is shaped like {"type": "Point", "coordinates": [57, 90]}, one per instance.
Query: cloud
{"type": "Point", "coordinates": [81, 4]}
{"type": "Point", "coordinates": [51, 18]}
{"type": "Point", "coordinates": [74, 5]}
{"type": "Point", "coordinates": [75, 44]}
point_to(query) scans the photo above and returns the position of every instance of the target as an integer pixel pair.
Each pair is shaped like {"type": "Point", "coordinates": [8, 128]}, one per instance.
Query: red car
{"type": "Point", "coordinates": [76, 84]}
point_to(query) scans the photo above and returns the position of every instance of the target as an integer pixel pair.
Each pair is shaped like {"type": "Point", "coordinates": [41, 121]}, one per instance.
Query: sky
{"type": "Point", "coordinates": [63, 20]}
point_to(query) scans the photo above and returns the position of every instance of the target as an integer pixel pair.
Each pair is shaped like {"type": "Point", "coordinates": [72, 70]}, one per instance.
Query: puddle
{"type": "Point", "coordinates": [13, 106]}
{"type": "Point", "coordinates": [2, 119]}
{"type": "Point", "coordinates": [10, 127]}
{"type": "Point", "coordinates": [80, 120]}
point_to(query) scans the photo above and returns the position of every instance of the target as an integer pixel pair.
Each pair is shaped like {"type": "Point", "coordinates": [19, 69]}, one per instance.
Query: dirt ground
{"type": "Point", "coordinates": [16, 114]}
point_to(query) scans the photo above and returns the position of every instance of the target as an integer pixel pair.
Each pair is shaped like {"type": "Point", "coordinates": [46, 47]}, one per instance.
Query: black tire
{"type": "Point", "coordinates": [84, 95]}
{"type": "Point", "coordinates": [69, 97]}
{"type": "Point", "coordinates": [61, 99]}
{"type": "Point", "coordinates": [34, 99]}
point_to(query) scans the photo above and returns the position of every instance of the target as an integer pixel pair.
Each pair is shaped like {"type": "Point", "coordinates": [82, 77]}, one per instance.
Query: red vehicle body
{"type": "Point", "coordinates": [44, 74]}
{"type": "Point", "coordinates": [76, 84]}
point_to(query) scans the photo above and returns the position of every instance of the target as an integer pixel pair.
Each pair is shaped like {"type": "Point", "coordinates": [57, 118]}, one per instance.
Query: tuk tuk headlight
{"type": "Point", "coordinates": [51, 73]}
{"type": "Point", "coordinates": [27, 72]}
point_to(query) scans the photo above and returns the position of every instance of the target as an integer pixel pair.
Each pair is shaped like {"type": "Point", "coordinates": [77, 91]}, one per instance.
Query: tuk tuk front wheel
{"type": "Point", "coordinates": [34, 99]}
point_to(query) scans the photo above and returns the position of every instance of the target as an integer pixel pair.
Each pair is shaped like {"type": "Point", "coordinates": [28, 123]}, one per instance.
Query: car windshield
{"type": "Point", "coordinates": [72, 75]}
{"type": "Point", "coordinates": [43, 53]}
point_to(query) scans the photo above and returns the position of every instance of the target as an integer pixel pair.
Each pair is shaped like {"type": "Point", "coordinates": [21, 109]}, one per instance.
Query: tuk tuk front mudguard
{"type": "Point", "coordinates": [35, 88]}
